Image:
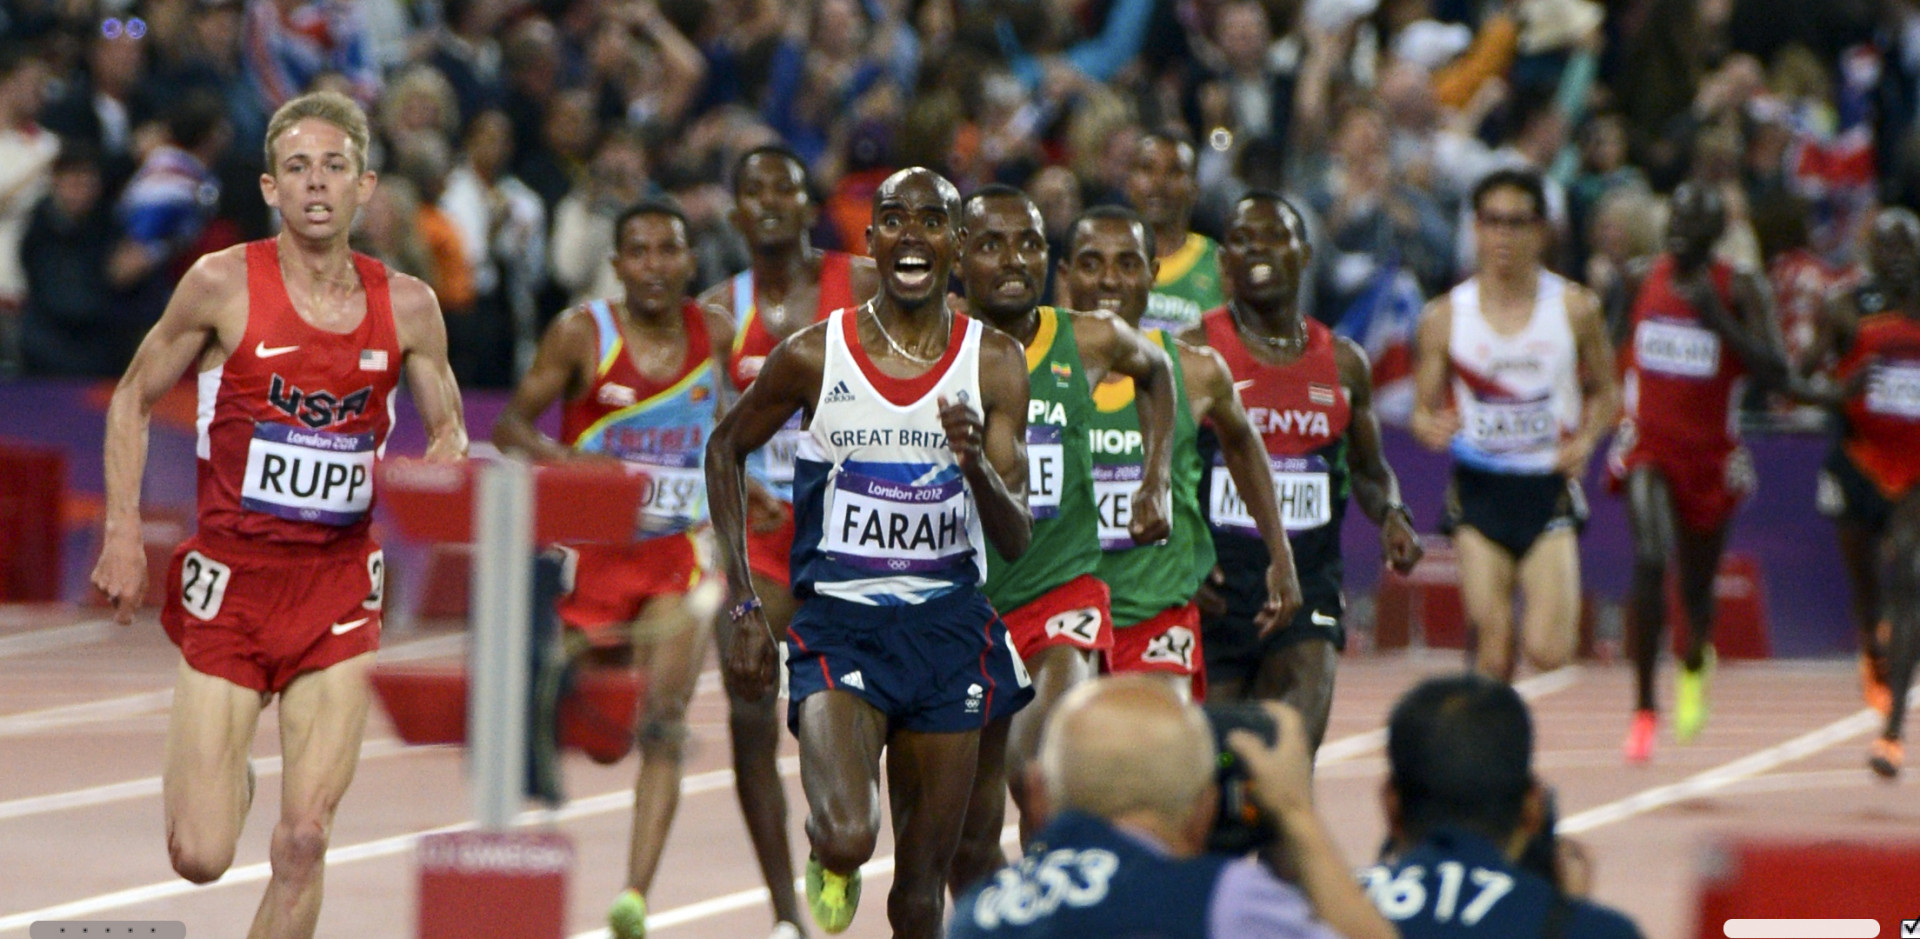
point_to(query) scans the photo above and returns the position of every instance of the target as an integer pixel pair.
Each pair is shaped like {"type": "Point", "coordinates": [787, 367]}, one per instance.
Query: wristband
{"type": "Point", "coordinates": [744, 607]}
{"type": "Point", "coordinates": [1400, 507]}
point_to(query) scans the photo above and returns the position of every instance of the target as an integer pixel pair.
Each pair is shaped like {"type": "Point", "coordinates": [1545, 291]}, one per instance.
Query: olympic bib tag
{"type": "Point", "coordinates": [1894, 391]}
{"type": "Point", "coordinates": [308, 475]}
{"type": "Point", "coordinates": [675, 493]}
{"type": "Point", "coordinates": [1113, 489]}
{"type": "Point", "coordinates": [1678, 349]}
{"type": "Point", "coordinates": [881, 525]}
{"type": "Point", "coordinates": [1507, 426]}
{"type": "Point", "coordinates": [1301, 487]}
{"type": "Point", "coordinates": [1046, 470]}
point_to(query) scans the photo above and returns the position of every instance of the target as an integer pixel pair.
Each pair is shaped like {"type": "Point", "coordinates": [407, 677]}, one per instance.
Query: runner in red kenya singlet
{"type": "Point", "coordinates": [300, 344]}
{"type": "Point", "coordinates": [1698, 330]}
{"type": "Point", "coordinates": [789, 285]}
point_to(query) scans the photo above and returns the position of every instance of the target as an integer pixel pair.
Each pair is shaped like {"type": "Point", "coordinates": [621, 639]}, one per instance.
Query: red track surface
{"type": "Point", "coordinates": [82, 706]}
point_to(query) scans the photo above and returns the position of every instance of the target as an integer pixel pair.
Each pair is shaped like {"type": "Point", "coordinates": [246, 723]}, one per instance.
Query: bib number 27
{"type": "Point", "coordinates": [203, 584]}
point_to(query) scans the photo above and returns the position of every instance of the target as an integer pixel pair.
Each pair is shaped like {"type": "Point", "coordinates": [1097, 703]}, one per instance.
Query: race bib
{"type": "Point", "coordinates": [1301, 486]}
{"type": "Point", "coordinates": [308, 475]}
{"type": "Point", "coordinates": [1113, 489]}
{"type": "Point", "coordinates": [675, 495]}
{"type": "Point", "coordinates": [1894, 391]}
{"type": "Point", "coordinates": [1046, 470]}
{"type": "Point", "coordinates": [880, 525]}
{"type": "Point", "coordinates": [1677, 349]}
{"type": "Point", "coordinates": [1506, 427]}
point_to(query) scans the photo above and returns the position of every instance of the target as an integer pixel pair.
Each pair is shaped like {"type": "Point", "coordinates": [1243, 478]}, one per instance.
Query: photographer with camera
{"type": "Point", "coordinates": [1127, 790]}
{"type": "Point", "coordinates": [1471, 847]}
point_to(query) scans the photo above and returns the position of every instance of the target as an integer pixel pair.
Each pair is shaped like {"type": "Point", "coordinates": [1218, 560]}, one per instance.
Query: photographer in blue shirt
{"type": "Point", "coordinates": [1471, 843]}
{"type": "Point", "coordinates": [1126, 783]}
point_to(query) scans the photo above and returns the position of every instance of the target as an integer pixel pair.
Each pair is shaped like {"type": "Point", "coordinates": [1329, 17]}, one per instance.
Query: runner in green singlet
{"type": "Point", "coordinates": [1055, 609]}
{"type": "Point", "coordinates": [1163, 187]}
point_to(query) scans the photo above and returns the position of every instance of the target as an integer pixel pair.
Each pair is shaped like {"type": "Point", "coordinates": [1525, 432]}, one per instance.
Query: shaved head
{"type": "Point", "coordinates": [1126, 745]}
{"type": "Point", "coordinates": [891, 186]}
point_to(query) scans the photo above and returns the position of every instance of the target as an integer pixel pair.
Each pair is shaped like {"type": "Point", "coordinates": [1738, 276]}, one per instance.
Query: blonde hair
{"type": "Point", "coordinates": [419, 82]}
{"type": "Point", "coordinates": [329, 106]}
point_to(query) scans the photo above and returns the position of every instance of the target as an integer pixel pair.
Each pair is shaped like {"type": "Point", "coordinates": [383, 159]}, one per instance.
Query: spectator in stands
{"type": "Point", "coordinates": [210, 57]}
{"type": "Point", "coordinates": [557, 161]}
{"type": "Point", "coordinates": [289, 43]}
{"type": "Point", "coordinates": [660, 71]}
{"type": "Point", "coordinates": [464, 51]}
{"type": "Point", "coordinates": [162, 211]}
{"type": "Point", "coordinates": [27, 152]}
{"type": "Point", "coordinates": [106, 104]}
{"type": "Point", "coordinates": [583, 222]}
{"type": "Point", "coordinates": [1462, 807]}
{"type": "Point", "coordinates": [1258, 83]}
{"type": "Point", "coordinates": [423, 160]}
{"type": "Point", "coordinates": [1376, 226]}
{"type": "Point", "coordinates": [418, 100]}
{"type": "Point", "coordinates": [503, 226]}
{"type": "Point", "coordinates": [69, 302]}
{"type": "Point", "coordinates": [1125, 782]}
{"type": "Point", "coordinates": [388, 229]}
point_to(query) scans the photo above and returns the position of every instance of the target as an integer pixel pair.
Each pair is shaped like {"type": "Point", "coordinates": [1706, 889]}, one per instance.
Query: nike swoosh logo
{"type": "Point", "coordinates": [263, 351]}
{"type": "Point", "coordinates": [341, 629]}
{"type": "Point", "coordinates": [1319, 619]}
{"type": "Point", "coordinates": [1243, 385]}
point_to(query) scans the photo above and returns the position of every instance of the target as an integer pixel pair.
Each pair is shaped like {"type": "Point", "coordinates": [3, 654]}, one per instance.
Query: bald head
{"type": "Point", "coordinates": [1894, 248]}
{"type": "Point", "coordinates": [918, 178]}
{"type": "Point", "coordinates": [1127, 745]}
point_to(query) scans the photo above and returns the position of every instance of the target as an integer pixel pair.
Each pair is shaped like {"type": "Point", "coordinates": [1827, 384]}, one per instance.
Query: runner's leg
{"type": "Point", "coordinates": [841, 737]}
{"type": "Point", "coordinates": [323, 716]}
{"type": "Point", "coordinates": [1055, 672]}
{"type": "Point", "coordinates": [929, 783]}
{"type": "Point", "coordinates": [1486, 593]}
{"type": "Point", "coordinates": [1301, 674]}
{"type": "Point", "coordinates": [979, 854]}
{"type": "Point", "coordinates": [1901, 554]}
{"type": "Point", "coordinates": [755, 733]}
{"type": "Point", "coordinates": [1650, 520]}
{"type": "Point", "coordinates": [1550, 592]}
{"type": "Point", "coordinates": [1696, 562]}
{"type": "Point", "coordinates": [671, 657]}
{"type": "Point", "coordinates": [209, 734]}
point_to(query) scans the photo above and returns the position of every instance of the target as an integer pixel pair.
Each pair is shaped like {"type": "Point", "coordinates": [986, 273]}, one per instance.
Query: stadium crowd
{"type": "Point", "coordinates": [508, 133]}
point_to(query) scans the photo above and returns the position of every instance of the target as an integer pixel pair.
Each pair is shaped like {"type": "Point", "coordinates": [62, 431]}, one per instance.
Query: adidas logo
{"type": "Point", "coordinates": [853, 680]}
{"type": "Point", "coordinates": [839, 393]}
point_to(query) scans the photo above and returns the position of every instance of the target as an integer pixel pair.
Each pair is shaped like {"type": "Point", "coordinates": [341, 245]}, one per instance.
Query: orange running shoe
{"type": "Point", "coordinates": [1886, 758]}
{"type": "Point", "coordinates": [1873, 688]}
{"type": "Point", "coordinates": [1639, 745]}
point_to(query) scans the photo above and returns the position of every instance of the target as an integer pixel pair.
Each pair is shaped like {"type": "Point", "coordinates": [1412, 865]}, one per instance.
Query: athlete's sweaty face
{"type": "Point", "coordinates": [914, 235]}
{"type": "Point", "coordinates": [654, 262]}
{"type": "Point", "coordinates": [1894, 249]}
{"type": "Point", "coordinates": [1264, 252]}
{"type": "Point", "coordinates": [1698, 218]}
{"type": "Point", "coordinates": [1507, 230]}
{"type": "Point", "coordinates": [1004, 263]}
{"type": "Point", "coordinates": [1108, 268]}
{"type": "Point", "coordinates": [317, 181]}
{"type": "Point", "coordinates": [1161, 185]}
{"type": "Point", "coordinates": [771, 207]}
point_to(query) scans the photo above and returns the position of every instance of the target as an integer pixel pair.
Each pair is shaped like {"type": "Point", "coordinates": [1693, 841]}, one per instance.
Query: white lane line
{"type": "Point", "coordinates": [57, 637]}
{"type": "Point", "coordinates": [1372, 741]}
{"type": "Point", "coordinates": [1727, 774]}
{"type": "Point", "coordinates": [366, 850]}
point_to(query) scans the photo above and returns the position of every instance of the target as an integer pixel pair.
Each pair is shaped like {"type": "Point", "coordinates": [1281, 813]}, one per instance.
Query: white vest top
{"type": "Point", "coordinates": [1518, 395]}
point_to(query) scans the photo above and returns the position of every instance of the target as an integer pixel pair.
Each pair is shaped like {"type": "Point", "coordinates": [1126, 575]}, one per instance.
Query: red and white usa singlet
{"type": "Point", "coordinates": [291, 424]}
{"type": "Point", "coordinates": [1883, 421]}
{"type": "Point", "coordinates": [1680, 386]}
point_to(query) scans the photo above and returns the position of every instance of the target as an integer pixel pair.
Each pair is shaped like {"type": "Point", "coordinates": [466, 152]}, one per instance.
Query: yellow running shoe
{"type": "Point", "coordinates": [1690, 699]}
{"type": "Point", "coordinates": [628, 918]}
{"type": "Point", "coordinates": [832, 897]}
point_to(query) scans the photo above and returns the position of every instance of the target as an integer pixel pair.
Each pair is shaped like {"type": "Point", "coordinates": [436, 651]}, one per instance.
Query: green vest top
{"type": "Point", "coordinates": [1059, 473]}
{"type": "Point", "coordinates": [1146, 579]}
{"type": "Point", "coordinates": [1189, 285]}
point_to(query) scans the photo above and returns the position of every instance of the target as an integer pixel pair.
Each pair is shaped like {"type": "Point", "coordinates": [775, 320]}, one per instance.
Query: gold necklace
{"type": "Point", "coordinates": [948, 329]}
{"type": "Point", "coordinates": [1293, 343]}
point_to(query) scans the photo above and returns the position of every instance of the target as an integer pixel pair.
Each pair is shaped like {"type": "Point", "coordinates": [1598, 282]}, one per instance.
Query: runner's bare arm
{"type": "Point", "coordinates": [1108, 345]}
{"type": "Point", "coordinates": [1750, 328]}
{"type": "Point", "coordinates": [1599, 382]}
{"type": "Point", "coordinates": [1376, 489]}
{"type": "Point", "coordinates": [423, 347]}
{"type": "Point", "coordinates": [1833, 331]}
{"type": "Point", "coordinates": [562, 368]}
{"type": "Point", "coordinates": [991, 447]}
{"type": "Point", "coordinates": [208, 310]}
{"type": "Point", "coordinates": [789, 382]}
{"type": "Point", "coordinates": [720, 351]}
{"type": "Point", "coordinates": [1433, 423]}
{"type": "Point", "coordinates": [1211, 394]}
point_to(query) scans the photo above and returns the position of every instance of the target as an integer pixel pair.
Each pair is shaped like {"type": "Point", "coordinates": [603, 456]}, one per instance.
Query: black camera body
{"type": "Point", "coordinates": [1240, 826]}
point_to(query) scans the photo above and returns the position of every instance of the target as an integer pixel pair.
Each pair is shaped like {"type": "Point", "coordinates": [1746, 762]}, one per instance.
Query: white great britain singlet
{"type": "Point", "coordinates": [1518, 395]}
{"type": "Point", "coordinates": [882, 515]}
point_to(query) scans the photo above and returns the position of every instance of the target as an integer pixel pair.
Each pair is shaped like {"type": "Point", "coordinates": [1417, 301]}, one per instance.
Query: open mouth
{"type": "Point", "coordinates": [1108, 304]}
{"type": "Point", "coordinates": [771, 222]}
{"type": "Point", "coordinates": [1015, 286]}
{"type": "Point", "coordinates": [1260, 274]}
{"type": "Point", "coordinates": [913, 271]}
{"type": "Point", "coordinates": [317, 212]}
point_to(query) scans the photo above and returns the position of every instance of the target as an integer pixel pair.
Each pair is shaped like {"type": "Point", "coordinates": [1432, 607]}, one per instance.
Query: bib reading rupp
{"type": "Point", "coordinates": [1301, 412]}
{"type": "Point", "coordinates": [1059, 472]}
{"type": "Point", "coordinates": [772, 465]}
{"type": "Point", "coordinates": [1882, 434]}
{"type": "Point", "coordinates": [291, 424]}
{"type": "Point", "coordinates": [1146, 579]}
{"type": "Point", "coordinates": [1679, 386]}
{"type": "Point", "coordinates": [1518, 395]}
{"type": "Point", "coordinates": [882, 514]}
{"type": "Point", "coordinates": [660, 426]}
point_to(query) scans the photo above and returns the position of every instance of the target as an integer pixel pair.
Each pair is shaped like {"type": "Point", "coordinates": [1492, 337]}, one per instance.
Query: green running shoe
{"type": "Point", "coordinates": [832, 897]}
{"type": "Point", "coordinates": [628, 918]}
{"type": "Point", "coordinates": [1690, 699]}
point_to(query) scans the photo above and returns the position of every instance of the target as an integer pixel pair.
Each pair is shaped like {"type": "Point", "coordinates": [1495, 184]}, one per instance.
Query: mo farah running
{"type": "Point", "coordinates": [1110, 267]}
{"type": "Point", "coordinates": [915, 457]}
{"type": "Point", "coordinates": [1056, 610]}
{"type": "Point", "coordinates": [1309, 396]}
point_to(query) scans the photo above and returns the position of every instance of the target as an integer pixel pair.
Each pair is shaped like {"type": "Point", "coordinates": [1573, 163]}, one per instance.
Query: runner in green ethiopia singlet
{"type": "Point", "coordinates": [1188, 285]}
{"type": "Point", "coordinates": [1148, 579]}
{"type": "Point", "coordinates": [1059, 474]}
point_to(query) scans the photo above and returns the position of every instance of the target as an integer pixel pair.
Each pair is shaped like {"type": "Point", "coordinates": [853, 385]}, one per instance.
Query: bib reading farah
{"type": "Point", "coordinates": [882, 514]}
